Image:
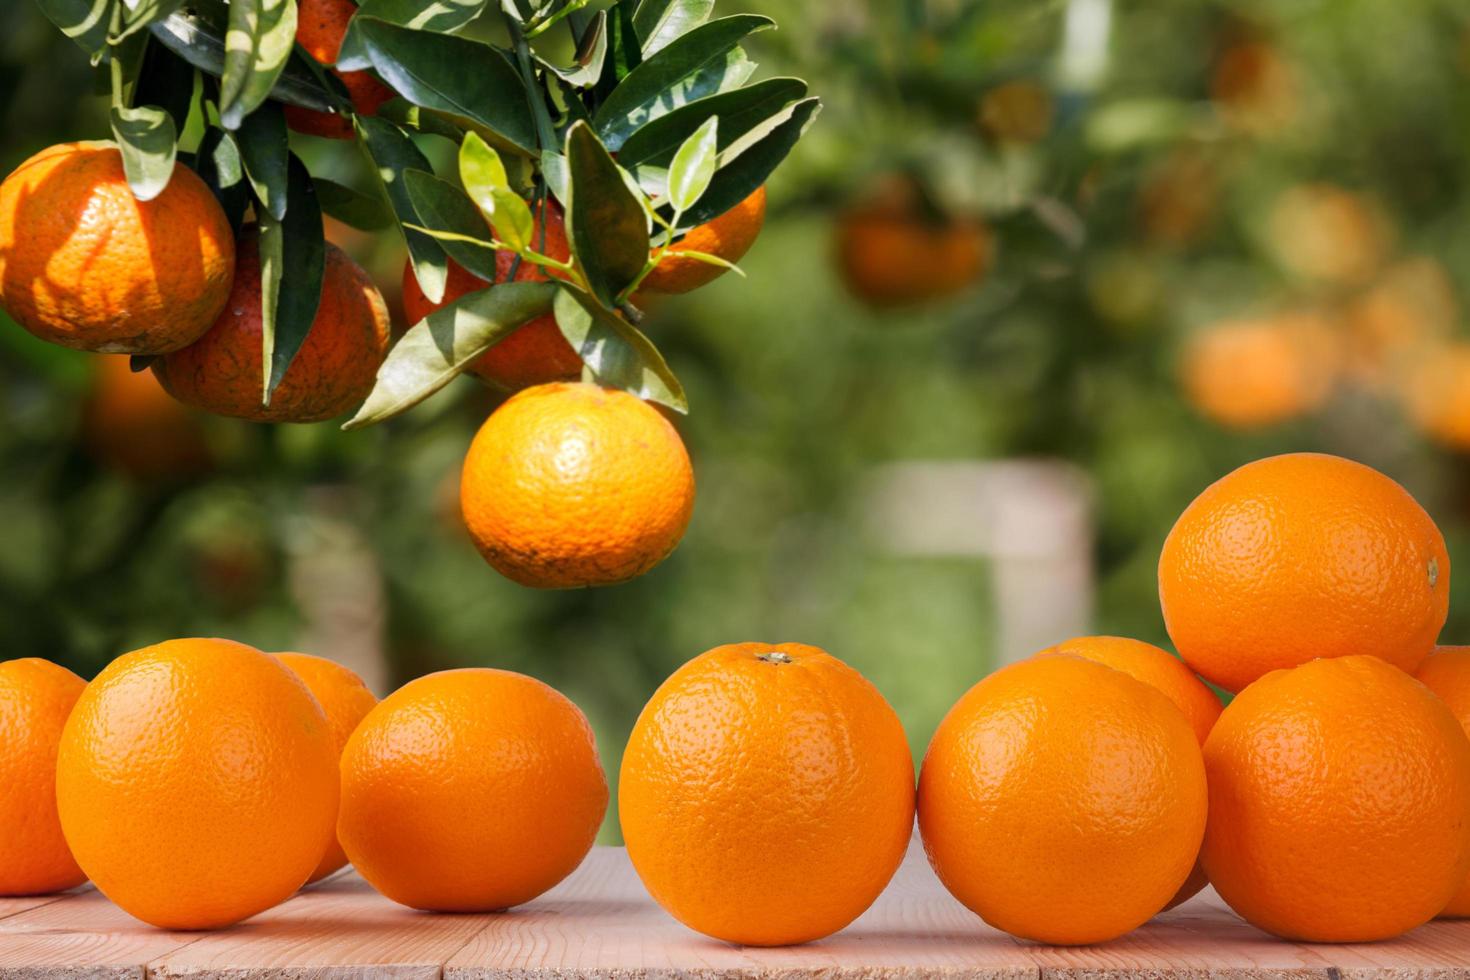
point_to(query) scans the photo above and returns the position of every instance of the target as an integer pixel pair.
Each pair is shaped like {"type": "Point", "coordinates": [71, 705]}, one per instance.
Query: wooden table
{"type": "Point", "coordinates": [600, 923]}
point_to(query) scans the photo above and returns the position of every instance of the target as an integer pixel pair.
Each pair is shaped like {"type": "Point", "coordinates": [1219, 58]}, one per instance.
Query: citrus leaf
{"type": "Point", "coordinates": [483, 175]}
{"type": "Point", "coordinates": [392, 153]}
{"type": "Point", "coordinates": [558, 180]}
{"type": "Point", "coordinates": [265, 152]}
{"type": "Point", "coordinates": [616, 352]}
{"type": "Point", "coordinates": [706, 258]}
{"type": "Point", "coordinates": [739, 111]}
{"type": "Point", "coordinates": [167, 81]}
{"type": "Point", "coordinates": [444, 207]}
{"type": "Point", "coordinates": [421, 120]}
{"type": "Point", "coordinates": [288, 302]}
{"type": "Point", "coordinates": [217, 161]}
{"type": "Point", "coordinates": [702, 62]}
{"type": "Point", "coordinates": [430, 71]}
{"type": "Point", "coordinates": [149, 144]}
{"type": "Point", "coordinates": [440, 346]}
{"type": "Point", "coordinates": [747, 163]}
{"type": "Point", "coordinates": [693, 166]}
{"type": "Point", "coordinates": [439, 16]}
{"type": "Point", "coordinates": [351, 206]}
{"type": "Point", "coordinates": [259, 39]}
{"type": "Point", "coordinates": [661, 21]}
{"type": "Point", "coordinates": [606, 224]}
{"type": "Point", "coordinates": [84, 21]}
{"type": "Point", "coordinates": [623, 50]}
{"type": "Point", "coordinates": [590, 57]}
{"type": "Point", "coordinates": [143, 13]}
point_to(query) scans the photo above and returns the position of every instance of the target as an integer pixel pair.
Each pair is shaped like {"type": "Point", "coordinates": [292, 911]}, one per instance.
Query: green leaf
{"type": "Point", "coordinates": [149, 144]}
{"type": "Point", "coordinates": [421, 120]}
{"type": "Point", "coordinates": [749, 161]}
{"type": "Point", "coordinates": [443, 344]}
{"type": "Point", "coordinates": [84, 21]}
{"type": "Point", "coordinates": [392, 153]}
{"type": "Point", "coordinates": [706, 258]}
{"type": "Point", "coordinates": [739, 111]}
{"type": "Point", "coordinates": [623, 49]}
{"type": "Point", "coordinates": [660, 22]}
{"type": "Point", "coordinates": [218, 163]}
{"type": "Point", "coordinates": [606, 224]}
{"type": "Point", "coordinates": [444, 207]}
{"type": "Point", "coordinates": [438, 16]}
{"type": "Point", "coordinates": [167, 81]}
{"type": "Point", "coordinates": [260, 38]}
{"type": "Point", "coordinates": [590, 57]}
{"type": "Point", "coordinates": [483, 175]}
{"type": "Point", "coordinates": [430, 70]}
{"type": "Point", "coordinates": [693, 166]}
{"type": "Point", "coordinates": [266, 154]}
{"type": "Point", "coordinates": [351, 206]}
{"type": "Point", "coordinates": [144, 13]}
{"type": "Point", "coordinates": [558, 179]}
{"type": "Point", "coordinates": [702, 62]}
{"type": "Point", "coordinates": [616, 352]}
{"type": "Point", "coordinates": [292, 263]}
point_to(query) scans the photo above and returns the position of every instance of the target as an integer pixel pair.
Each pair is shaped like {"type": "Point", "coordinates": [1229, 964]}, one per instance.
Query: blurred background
{"type": "Point", "coordinates": [1039, 273]}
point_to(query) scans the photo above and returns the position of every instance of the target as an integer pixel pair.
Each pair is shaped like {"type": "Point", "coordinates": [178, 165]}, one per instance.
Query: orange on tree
{"type": "Point", "coordinates": [728, 236]}
{"type": "Point", "coordinates": [1446, 672]}
{"type": "Point", "coordinates": [470, 790]}
{"type": "Point", "coordinates": [197, 783]}
{"type": "Point", "coordinates": [1300, 556]}
{"type": "Point", "coordinates": [333, 371]}
{"type": "Point", "coordinates": [766, 794]}
{"type": "Point", "coordinates": [345, 700]}
{"type": "Point", "coordinates": [36, 697]}
{"type": "Point", "coordinates": [132, 425]}
{"type": "Point", "coordinates": [1400, 321]}
{"type": "Point", "coordinates": [320, 26]}
{"type": "Point", "coordinates": [571, 484]}
{"type": "Point", "coordinates": [1435, 391]}
{"type": "Point", "coordinates": [1062, 800]}
{"type": "Point", "coordinates": [1339, 802]}
{"type": "Point", "coordinates": [1328, 235]}
{"type": "Point", "coordinates": [1246, 374]}
{"type": "Point", "coordinates": [1179, 198]}
{"type": "Point", "coordinates": [1255, 88]}
{"type": "Point", "coordinates": [84, 264]}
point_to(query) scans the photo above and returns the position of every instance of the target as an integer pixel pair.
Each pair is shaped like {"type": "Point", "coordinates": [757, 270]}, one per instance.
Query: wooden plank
{"type": "Point", "coordinates": [81, 937]}
{"type": "Point", "coordinates": [15, 905]}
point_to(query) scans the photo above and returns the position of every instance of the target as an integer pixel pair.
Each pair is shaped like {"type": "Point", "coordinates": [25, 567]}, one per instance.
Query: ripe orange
{"type": "Point", "coordinates": [345, 700]}
{"type": "Point", "coordinates": [470, 791]}
{"type": "Point", "coordinates": [1246, 374]}
{"type": "Point", "coordinates": [132, 425]}
{"type": "Point", "coordinates": [535, 353]}
{"type": "Point", "coordinates": [1436, 394]}
{"type": "Point", "coordinates": [728, 236]}
{"type": "Point", "coordinates": [1339, 802]}
{"type": "Point", "coordinates": [197, 783]}
{"type": "Point", "coordinates": [1179, 198]}
{"type": "Point", "coordinates": [35, 699]}
{"type": "Point", "coordinates": [570, 485]}
{"type": "Point", "coordinates": [767, 794]}
{"type": "Point", "coordinates": [84, 264]}
{"type": "Point", "coordinates": [1446, 672]}
{"type": "Point", "coordinates": [333, 371]}
{"type": "Point", "coordinates": [1255, 88]}
{"type": "Point", "coordinates": [1063, 801]}
{"type": "Point", "coordinates": [1405, 318]}
{"type": "Point", "coordinates": [1328, 235]}
{"type": "Point", "coordinates": [1301, 556]}
{"type": "Point", "coordinates": [320, 26]}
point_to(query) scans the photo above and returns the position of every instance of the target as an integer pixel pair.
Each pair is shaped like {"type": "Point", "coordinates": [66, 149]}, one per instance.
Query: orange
{"type": "Point", "coordinates": [470, 791]}
{"type": "Point", "coordinates": [1402, 320]}
{"type": "Point", "coordinates": [320, 26]}
{"type": "Point", "coordinates": [1446, 672]}
{"type": "Point", "coordinates": [35, 699]}
{"type": "Point", "coordinates": [1179, 198]}
{"type": "Point", "coordinates": [197, 783]}
{"type": "Point", "coordinates": [1255, 88]}
{"type": "Point", "coordinates": [1246, 374]}
{"type": "Point", "coordinates": [132, 425]}
{"type": "Point", "coordinates": [767, 794]}
{"type": "Point", "coordinates": [1339, 802]}
{"type": "Point", "coordinates": [1063, 801]}
{"type": "Point", "coordinates": [1436, 394]}
{"type": "Point", "coordinates": [332, 372]}
{"type": "Point", "coordinates": [345, 700]}
{"type": "Point", "coordinates": [536, 352]}
{"type": "Point", "coordinates": [1301, 556]}
{"type": "Point", "coordinates": [84, 264]}
{"type": "Point", "coordinates": [569, 485]}
{"type": "Point", "coordinates": [728, 236]}
{"type": "Point", "coordinates": [1328, 235]}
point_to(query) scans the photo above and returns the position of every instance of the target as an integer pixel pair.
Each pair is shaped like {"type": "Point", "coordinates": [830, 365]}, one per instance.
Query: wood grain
{"type": "Point", "coordinates": [81, 937]}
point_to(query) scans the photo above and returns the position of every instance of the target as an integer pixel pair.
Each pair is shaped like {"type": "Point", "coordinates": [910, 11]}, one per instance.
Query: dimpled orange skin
{"type": "Point", "coordinates": [84, 264]}
{"type": "Point", "coordinates": [1446, 672]}
{"type": "Point", "coordinates": [766, 801]}
{"type": "Point", "coordinates": [729, 236]}
{"type": "Point", "coordinates": [35, 698]}
{"type": "Point", "coordinates": [320, 27]}
{"type": "Point", "coordinates": [470, 791]}
{"type": "Point", "coordinates": [332, 372]}
{"type": "Point", "coordinates": [345, 700]}
{"type": "Point", "coordinates": [570, 485]}
{"type": "Point", "coordinates": [536, 352]}
{"type": "Point", "coordinates": [1063, 801]}
{"type": "Point", "coordinates": [197, 783]}
{"type": "Point", "coordinates": [1339, 802]}
{"type": "Point", "coordinates": [1301, 556]}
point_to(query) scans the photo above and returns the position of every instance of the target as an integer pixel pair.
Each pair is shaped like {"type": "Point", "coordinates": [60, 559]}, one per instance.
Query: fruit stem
{"type": "Point", "coordinates": [114, 66]}
{"type": "Point", "coordinates": [774, 657]}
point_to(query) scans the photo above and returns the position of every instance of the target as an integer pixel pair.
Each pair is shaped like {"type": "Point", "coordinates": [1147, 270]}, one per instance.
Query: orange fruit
{"type": "Point", "coordinates": [35, 699]}
{"type": "Point", "coordinates": [470, 791]}
{"type": "Point", "coordinates": [1436, 394]}
{"type": "Point", "coordinates": [1339, 802]}
{"type": "Point", "coordinates": [1255, 88]}
{"type": "Point", "coordinates": [132, 425]}
{"type": "Point", "coordinates": [536, 352]}
{"type": "Point", "coordinates": [320, 27]}
{"type": "Point", "coordinates": [1063, 801]}
{"type": "Point", "coordinates": [728, 236]}
{"type": "Point", "coordinates": [1446, 672]}
{"type": "Point", "coordinates": [1301, 556]}
{"type": "Point", "coordinates": [197, 783]}
{"type": "Point", "coordinates": [1328, 235]}
{"type": "Point", "coordinates": [345, 700]}
{"type": "Point", "coordinates": [84, 264]}
{"type": "Point", "coordinates": [332, 372]}
{"type": "Point", "coordinates": [569, 485]}
{"type": "Point", "coordinates": [1246, 374]}
{"type": "Point", "coordinates": [766, 794]}
{"type": "Point", "coordinates": [1179, 198]}
{"type": "Point", "coordinates": [1404, 319]}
